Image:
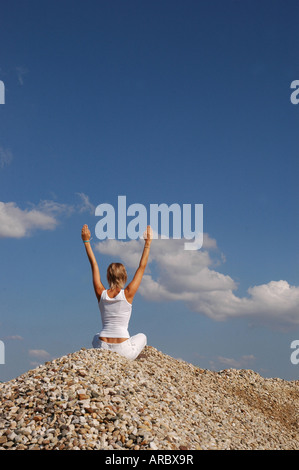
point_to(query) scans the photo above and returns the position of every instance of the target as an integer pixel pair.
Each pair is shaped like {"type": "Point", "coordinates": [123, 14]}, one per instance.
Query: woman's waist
{"type": "Point", "coordinates": [113, 340]}
{"type": "Point", "coordinates": [114, 333]}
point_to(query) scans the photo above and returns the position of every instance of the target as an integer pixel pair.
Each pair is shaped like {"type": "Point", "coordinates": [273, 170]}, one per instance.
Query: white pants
{"type": "Point", "coordinates": [131, 348]}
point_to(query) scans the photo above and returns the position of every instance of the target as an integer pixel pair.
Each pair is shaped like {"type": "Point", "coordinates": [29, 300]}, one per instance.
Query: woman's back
{"type": "Point", "coordinates": [116, 313]}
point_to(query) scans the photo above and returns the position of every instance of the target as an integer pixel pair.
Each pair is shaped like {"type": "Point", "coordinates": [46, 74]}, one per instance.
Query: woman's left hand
{"type": "Point", "coordinates": [85, 233]}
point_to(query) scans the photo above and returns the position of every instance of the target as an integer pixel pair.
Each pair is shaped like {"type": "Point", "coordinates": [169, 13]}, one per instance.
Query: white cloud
{"type": "Point", "coordinates": [191, 277]}
{"type": "Point", "coordinates": [14, 338]}
{"type": "Point", "coordinates": [129, 252]}
{"type": "Point", "coordinates": [86, 205]}
{"type": "Point", "coordinates": [39, 353]}
{"type": "Point", "coordinates": [244, 362]}
{"type": "Point", "coordinates": [54, 208]}
{"type": "Point", "coordinates": [18, 223]}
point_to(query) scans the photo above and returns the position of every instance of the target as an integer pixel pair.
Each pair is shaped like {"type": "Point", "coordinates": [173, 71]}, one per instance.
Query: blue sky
{"type": "Point", "coordinates": [163, 102]}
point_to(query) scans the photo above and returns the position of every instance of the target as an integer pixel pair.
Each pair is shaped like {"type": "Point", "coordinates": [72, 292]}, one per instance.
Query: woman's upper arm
{"type": "Point", "coordinates": [98, 290]}
{"type": "Point", "coordinates": [97, 283]}
{"type": "Point", "coordinates": [132, 288]}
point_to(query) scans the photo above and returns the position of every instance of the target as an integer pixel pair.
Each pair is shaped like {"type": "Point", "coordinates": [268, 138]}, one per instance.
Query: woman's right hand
{"type": "Point", "coordinates": [85, 233]}
{"type": "Point", "coordinates": [148, 235]}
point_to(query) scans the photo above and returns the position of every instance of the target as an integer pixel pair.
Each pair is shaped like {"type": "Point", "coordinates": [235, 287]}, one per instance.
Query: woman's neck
{"type": "Point", "coordinates": [114, 290]}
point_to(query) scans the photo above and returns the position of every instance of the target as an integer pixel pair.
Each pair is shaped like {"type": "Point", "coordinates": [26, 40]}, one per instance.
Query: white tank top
{"type": "Point", "coordinates": [115, 313]}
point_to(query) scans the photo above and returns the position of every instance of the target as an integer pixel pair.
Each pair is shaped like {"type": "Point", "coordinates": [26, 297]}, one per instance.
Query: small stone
{"type": "Point", "coordinates": [82, 373]}
{"type": "Point", "coordinates": [153, 445]}
{"type": "Point", "coordinates": [83, 396]}
{"type": "Point", "coordinates": [38, 418]}
{"type": "Point", "coordinates": [8, 444]}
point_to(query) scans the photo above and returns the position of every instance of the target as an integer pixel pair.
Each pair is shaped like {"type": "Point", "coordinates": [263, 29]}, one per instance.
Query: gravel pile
{"type": "Point", "coordinates": [95, 399]}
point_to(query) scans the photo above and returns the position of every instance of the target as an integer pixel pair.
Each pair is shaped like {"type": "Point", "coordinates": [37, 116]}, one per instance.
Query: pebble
{"type": "Point", "coordinates": [97, 399]}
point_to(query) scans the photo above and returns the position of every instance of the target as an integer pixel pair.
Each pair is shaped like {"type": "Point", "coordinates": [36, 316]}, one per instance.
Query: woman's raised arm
{"type": "Point", "coordinates": [96, 278]}
{"type": "Point", "coordinates": [132, 288]}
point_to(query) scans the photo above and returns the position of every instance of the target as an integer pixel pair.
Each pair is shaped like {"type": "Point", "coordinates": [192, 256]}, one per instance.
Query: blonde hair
{"type": "Point", "coordinates": [116, 275]}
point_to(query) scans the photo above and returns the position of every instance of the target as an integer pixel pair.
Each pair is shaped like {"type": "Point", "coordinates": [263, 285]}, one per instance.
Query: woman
{"type": "Point", "coordinates": [115, 303]}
